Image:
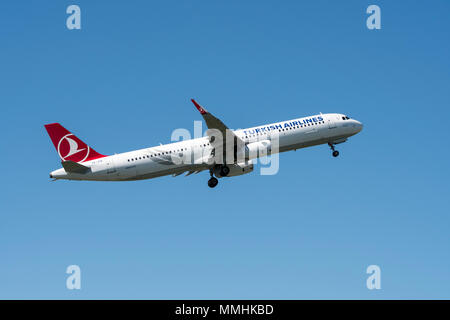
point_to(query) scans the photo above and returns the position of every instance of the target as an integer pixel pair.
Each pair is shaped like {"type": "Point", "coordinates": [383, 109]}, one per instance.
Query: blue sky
{"type": "Point", "coordinates": [124, 82]}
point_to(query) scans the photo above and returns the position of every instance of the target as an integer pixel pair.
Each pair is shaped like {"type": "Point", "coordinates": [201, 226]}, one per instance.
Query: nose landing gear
{"type": "Point", "coordinates": [335, 152]}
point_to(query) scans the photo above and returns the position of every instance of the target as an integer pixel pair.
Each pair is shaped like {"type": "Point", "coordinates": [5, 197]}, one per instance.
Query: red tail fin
{"type": "Point", "coordinates": [68, 146]}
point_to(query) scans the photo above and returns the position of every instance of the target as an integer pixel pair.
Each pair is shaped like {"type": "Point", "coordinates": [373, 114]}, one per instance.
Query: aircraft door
{"type": "Point", "coordinates": [110, 168]}
{"type": "Point", "coordinates": [331, 123]}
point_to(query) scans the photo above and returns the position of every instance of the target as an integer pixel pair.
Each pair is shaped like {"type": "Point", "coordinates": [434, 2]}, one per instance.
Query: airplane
{"type": "Point", "coordinates": [223, 157]}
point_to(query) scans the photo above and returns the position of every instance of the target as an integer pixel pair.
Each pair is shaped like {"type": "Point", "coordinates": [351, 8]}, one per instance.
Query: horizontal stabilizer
{"type": "Point", "coordinates": [74, 167]}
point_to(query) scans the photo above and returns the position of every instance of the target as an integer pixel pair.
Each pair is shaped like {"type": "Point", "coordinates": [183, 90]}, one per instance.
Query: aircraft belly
{"type": "Point", "coordinates": [160, 171]}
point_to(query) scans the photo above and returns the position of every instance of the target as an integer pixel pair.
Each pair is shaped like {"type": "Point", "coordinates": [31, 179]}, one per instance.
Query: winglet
{"type": "Point", "coordinates": [199, 107]}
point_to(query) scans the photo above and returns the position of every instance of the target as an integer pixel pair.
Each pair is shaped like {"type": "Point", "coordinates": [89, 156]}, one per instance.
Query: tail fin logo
{"type": "Point", "coordinates": [69, 149]}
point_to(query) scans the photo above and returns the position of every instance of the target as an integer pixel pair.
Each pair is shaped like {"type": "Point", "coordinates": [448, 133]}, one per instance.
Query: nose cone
{"type": "Point", "coordinates": [358, 126]}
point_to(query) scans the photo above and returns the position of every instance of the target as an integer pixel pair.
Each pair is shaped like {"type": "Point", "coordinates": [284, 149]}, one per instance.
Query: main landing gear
{"type": "Point", "coordinates": [212, 182]}
{"type": "Point", "coordinates": [223, 171]}
{"type": "Point", "coordinates": [335, 152]}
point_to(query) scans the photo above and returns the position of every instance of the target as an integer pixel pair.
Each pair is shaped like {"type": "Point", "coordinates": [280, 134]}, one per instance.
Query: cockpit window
{"type": "Point", "coordinates": [345, 118]}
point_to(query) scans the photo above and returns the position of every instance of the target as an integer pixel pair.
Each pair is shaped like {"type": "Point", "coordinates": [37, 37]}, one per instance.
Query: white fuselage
{"type": "Point", "coordinates": [155, 161]}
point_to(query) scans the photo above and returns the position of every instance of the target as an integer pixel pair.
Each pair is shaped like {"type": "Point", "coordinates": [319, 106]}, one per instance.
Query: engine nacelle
{"type": "Point", "coordinates": [257, 149]}
{"type": "Point", "coordinates": [235, 169]}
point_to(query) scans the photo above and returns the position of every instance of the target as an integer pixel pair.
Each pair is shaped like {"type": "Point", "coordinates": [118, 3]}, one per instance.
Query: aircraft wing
{"type": "Point", "coordinates": [214, 123]}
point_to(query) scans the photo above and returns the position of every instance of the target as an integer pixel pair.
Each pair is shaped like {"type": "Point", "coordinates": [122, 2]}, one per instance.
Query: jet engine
{"type": "Point", "coordinates": [237, 169]}
{"type": "Point", "coordinates": [257, 149]}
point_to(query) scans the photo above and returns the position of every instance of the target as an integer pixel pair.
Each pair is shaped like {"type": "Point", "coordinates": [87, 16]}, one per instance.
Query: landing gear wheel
{"type": "Point", "coordinates": [224, 171]}
{"type": "Point", "coordinates": [212, 182]}
{"type": "Point", "coordinates": [335, 152]}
